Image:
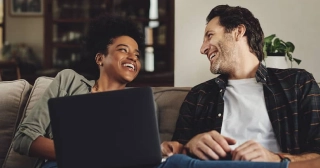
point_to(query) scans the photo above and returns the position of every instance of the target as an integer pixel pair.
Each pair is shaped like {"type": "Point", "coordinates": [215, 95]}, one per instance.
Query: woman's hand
{"type": "Point", "coordinates": [169, 148]}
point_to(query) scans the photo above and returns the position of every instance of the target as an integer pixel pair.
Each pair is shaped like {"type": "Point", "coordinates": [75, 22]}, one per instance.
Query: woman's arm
{"type": "Point", "coordinates": [43, 148]}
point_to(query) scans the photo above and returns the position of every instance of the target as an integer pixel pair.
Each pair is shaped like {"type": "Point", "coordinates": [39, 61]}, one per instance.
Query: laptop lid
{"type": "Point", "coordinates": [106, 129]}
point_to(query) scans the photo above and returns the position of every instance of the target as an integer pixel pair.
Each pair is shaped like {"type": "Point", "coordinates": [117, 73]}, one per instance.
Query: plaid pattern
{"type": "Point", "coordinates": [292, 99]}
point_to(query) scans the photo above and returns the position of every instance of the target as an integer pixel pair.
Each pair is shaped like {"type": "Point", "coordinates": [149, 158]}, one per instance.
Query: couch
{"type": "Point", "coordinates": [18, 97]}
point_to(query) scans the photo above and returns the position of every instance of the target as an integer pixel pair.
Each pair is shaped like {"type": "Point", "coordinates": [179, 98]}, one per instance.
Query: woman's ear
{"type": "Point", "coordinates": [240, 31]}
{"type": "Point", "coordinates": [99, 59]}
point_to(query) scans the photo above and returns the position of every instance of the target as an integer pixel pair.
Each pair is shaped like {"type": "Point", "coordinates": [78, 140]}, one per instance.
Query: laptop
{"type": "Point", "coordinates": [106, 129]}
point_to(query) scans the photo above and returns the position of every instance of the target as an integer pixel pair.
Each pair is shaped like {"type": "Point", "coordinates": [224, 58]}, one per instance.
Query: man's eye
{"type": "Point", "coordinates": [138, 56]}
{"type": "Point", "coordinates": [210, 35]}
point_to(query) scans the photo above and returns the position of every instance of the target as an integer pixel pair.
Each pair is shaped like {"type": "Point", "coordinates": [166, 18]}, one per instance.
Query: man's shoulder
{"type": "Point", "coordinates": [204, 86]}
{"type": "Point", "coordinates": [290, 70]}
{"type": "Point", "coordinates": [290, 74]}
{"type": "Point", "coordinates": [286, 72]}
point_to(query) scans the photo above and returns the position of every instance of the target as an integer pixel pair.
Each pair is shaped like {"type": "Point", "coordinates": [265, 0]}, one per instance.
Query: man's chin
{"type": "Point", "coordinates": [214, 71]}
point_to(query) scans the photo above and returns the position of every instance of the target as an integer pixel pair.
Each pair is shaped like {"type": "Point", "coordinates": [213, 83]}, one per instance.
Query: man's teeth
{"type": "Point", "coordinates": [212, 56]}
{"type": "Point", "coordinates": [129, 65]}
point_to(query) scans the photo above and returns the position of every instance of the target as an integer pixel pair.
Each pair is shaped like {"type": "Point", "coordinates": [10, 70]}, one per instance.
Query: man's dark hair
{"type": "Point", "coordinates": [231, 17]}
{"type": "Point", "coordinates": [101, 33]}
{"type": "Point", "coordinates": [105, 28]}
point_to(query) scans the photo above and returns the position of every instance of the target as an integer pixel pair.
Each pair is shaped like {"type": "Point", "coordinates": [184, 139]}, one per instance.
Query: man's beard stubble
{"type": "Point", "coordinates": [224, 64]}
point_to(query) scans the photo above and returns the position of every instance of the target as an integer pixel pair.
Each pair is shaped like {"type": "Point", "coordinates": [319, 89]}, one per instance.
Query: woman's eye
{"type": "Point", "coordinates": [138, 56]}
{"type": "Point", "coordinates": [210, 35]}
{"type": "Point", "coordinates": [123, 49]}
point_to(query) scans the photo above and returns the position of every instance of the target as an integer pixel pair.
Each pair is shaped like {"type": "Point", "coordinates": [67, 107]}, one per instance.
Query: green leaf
{"type": "Point", "coordinates": [269, 38]}
{"type": "Point", "coordinates": [281, 48]}
{"type": "Point", "coordinates": [276, 42]}
{"type": "Point", "coordinates": [290, 47]}
{"type": "Point", "coordinates": [298, 61]}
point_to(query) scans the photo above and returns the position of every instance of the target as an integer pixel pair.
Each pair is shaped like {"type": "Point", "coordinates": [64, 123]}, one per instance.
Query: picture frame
{"type": "Point", "coordinates": [26, 7]}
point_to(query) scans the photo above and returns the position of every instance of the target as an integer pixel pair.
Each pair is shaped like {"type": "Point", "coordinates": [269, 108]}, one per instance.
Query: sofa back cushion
{"type": "Point", "coordinates": [13, 159]}
{"type": "Point", "coordinates": [169, 100]}
{"type": "Point", "coordinates": [13, 97]}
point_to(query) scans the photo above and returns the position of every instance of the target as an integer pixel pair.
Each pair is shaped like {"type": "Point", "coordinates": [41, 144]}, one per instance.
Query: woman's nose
{"type": "Point", "coordinates": [132, 57]}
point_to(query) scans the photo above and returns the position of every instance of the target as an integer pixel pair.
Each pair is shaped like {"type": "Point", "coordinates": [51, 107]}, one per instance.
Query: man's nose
{"type": "Point", "coordinates": [204, 48]}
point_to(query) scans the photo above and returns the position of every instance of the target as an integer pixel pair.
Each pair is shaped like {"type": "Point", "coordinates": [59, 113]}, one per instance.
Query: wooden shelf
{"type": "Point", "coordinates": [67, 45]}
{"type": "Point", "coordinates": [78, 20]}
{"type": "Point", "coordinates": [66, 23]}
{"type": "Point", "coordinates": [85, 20]}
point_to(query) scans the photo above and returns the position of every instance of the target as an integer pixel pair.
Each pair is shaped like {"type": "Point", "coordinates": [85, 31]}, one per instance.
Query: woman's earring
{"type": "Point", "coordinates": [100, 64]}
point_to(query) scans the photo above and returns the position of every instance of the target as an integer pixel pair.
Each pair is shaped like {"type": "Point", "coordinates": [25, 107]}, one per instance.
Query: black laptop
{"type": "Point", "coordinates": [106, 129]}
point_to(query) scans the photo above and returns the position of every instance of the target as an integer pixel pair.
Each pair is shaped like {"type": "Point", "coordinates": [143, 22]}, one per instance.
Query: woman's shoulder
{"type": "Point", "coordinates": [69, 75]}
{"type": "Point", "coordinates": [68, 72]}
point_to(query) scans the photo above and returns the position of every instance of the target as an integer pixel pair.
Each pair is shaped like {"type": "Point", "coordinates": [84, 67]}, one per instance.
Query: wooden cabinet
{"type": "Point", "coordinates": [66, 23]}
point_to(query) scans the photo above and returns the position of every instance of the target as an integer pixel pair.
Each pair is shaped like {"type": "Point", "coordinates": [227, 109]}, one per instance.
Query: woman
{"type": "Point", "coordinates": [113, 43]}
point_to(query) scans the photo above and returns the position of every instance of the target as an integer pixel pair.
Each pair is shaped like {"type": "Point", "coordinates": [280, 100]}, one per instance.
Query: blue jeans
{"type": "Point", "coordinates": [184, 161]}
{"type": "Point", "coordinates": [50, 164]}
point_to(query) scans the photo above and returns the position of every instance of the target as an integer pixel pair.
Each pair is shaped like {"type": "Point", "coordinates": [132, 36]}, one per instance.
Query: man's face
{"type": "Point", "coordinates": [122, 62]}
{"type": "Point", "coordinates": [220, 48]}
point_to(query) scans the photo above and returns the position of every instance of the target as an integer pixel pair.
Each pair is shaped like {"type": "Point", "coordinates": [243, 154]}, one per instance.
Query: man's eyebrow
{"type": "Point", "coordinates": [124, 45]}
{"type": "Point", "coordinates": [207, 32]}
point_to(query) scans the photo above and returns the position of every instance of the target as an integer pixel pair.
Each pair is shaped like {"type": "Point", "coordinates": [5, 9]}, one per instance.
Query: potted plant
{"type": "Point", "coordinates": [273, 46]}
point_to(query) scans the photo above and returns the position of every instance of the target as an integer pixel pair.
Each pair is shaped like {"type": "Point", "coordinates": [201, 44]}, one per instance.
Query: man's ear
{"type": "Point", "coordinates": [240, 31]}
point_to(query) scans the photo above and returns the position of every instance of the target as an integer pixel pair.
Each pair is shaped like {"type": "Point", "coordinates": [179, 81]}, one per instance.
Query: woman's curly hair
{"type": "Point", "coordinates": [103, 29]}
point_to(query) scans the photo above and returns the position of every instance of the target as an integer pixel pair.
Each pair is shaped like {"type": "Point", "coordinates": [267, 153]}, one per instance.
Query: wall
{"type": "Point", "coordinates": [25, 29]}
{"type": "Point", "coordinates": [292, 20]}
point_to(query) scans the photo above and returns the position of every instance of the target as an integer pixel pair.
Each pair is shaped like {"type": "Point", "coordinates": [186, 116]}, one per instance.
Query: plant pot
{"type": "Point", "coordinates": [280, 62]}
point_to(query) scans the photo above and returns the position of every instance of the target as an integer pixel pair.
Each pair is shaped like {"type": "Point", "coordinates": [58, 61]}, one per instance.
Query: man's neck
{"type": "Point", "coordinates": [245, 68]}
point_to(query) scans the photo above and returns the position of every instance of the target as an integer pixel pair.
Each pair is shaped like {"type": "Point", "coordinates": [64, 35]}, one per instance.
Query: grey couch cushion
{"type": "Point", "coordinates": [39, 87]}
{"type": "Point", "coordinates": [169, 100]}
{"type": "Point", "coordinates": [13, 97]}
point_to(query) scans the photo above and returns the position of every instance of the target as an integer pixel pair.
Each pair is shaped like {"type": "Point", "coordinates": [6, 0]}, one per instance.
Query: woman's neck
{"type": "Point", "coordinates": [102, 85]}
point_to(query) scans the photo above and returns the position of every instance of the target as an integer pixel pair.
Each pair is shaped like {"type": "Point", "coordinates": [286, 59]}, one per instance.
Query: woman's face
{"type": "Point", "coordinates": [122, 63]}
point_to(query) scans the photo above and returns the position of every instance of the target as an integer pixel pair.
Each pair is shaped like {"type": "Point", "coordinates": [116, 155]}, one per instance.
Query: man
{"type": "Point", "coordinates": [249, 112]}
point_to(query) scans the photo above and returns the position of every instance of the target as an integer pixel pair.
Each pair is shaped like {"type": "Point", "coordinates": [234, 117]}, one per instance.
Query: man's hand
{"type": "Point", "coordinates": [253, 151]}
{"type": "Point", "coordinates": [209, 145]}
{"type": "Point", "coordinates": [169, 148]}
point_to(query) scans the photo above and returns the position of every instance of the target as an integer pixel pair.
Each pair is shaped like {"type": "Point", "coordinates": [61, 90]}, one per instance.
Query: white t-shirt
{"type": "Point", "coordinates": [245, 114]}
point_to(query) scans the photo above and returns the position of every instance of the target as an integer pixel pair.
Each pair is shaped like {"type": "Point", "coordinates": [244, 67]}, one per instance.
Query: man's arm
{"type": "Point", "coordinates": [184, 130]}
{"type": "Point", "coordinates": [308, 116]}
{"type": "Point", "coordinates": [253, 151]}
{"type": "Point", "coordinates": [306, 164]}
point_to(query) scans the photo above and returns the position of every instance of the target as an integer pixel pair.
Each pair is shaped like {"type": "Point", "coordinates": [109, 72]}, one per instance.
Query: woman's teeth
{"type": "Point", "coordinates": [129, 66]}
